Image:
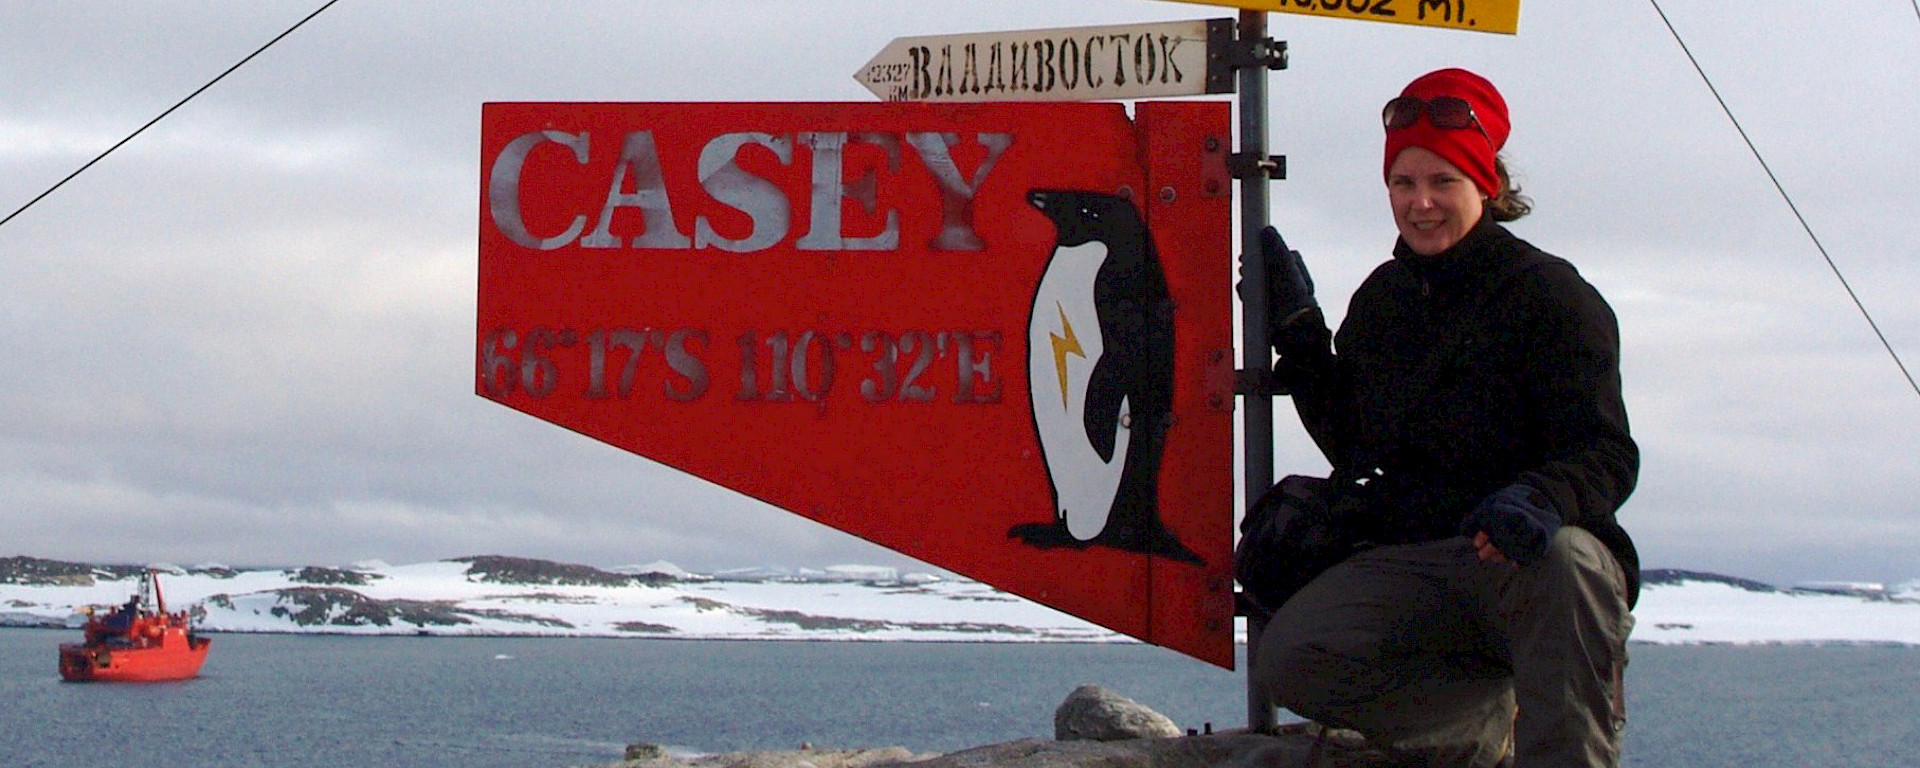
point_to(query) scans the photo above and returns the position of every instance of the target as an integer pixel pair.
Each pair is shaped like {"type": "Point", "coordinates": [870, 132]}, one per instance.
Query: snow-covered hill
{"type": "Point", "coordinates": [1680, 607]}
{"type": "Point", "coordinates": [516, 596]}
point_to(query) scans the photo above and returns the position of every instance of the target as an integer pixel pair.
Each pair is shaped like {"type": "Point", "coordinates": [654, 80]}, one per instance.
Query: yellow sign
{"type": "Point", "coordinates": [1497, 16]}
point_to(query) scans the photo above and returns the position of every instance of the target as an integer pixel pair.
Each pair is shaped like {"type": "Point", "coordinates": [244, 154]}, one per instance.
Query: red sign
{"type": "Point", "coordinates": [991, 337]}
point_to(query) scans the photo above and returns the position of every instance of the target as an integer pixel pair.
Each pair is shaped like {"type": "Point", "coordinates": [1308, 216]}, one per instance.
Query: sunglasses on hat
{"type": "Point", "coordinates": [1441, 111]}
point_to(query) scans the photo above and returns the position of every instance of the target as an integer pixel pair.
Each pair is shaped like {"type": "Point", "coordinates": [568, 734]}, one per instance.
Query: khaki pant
{"type": "Point", "coordinates": [1427, 651]}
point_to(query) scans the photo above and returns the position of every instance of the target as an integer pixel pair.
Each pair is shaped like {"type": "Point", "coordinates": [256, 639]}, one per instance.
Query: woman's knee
{"type": "Point", "coordinates": [1313, 674]}
{"type": "Point", "coordinates": [1573, 546]}
{"type": "Point", "coordinates": [1577, 560]}
{"type": "Point", "coordinates": [1294, 677]}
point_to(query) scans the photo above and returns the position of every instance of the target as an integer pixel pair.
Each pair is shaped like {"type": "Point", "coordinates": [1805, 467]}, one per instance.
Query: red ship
{"type": "Point", "coordinates": [138, 642]}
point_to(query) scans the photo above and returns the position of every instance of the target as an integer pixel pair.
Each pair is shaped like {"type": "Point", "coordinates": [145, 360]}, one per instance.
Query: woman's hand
{"type": "Point", "coordinates": [1515, 523]}
{"type": "Point", "coordinates": [1488, 552]}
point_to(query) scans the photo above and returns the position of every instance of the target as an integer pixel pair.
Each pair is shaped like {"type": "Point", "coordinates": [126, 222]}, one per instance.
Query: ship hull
{"type": "Point", "coordinates": [176, 656]}
{"type": "Point", "coordinates": [140, 642]}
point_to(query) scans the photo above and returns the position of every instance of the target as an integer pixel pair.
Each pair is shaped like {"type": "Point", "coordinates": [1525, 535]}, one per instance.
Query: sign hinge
{"type": "Point", "coordinates": [1220, 55]}
{"type": "Point", "coordinates": [1247, 165]}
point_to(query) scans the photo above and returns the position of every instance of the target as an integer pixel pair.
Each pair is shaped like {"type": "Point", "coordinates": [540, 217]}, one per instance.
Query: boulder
{"type": "Point", "coordinates": [1093, 713]}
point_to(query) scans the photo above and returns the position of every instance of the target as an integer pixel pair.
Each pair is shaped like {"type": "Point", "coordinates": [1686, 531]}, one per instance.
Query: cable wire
{"type": "Point", "coordinates": [1789, 198]}
{"type": "Point", "coordinates": [163, 115]}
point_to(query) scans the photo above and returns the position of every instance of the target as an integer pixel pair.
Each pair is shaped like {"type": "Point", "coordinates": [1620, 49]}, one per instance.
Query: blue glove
{"type": "Point", "coordinates": [1517, 519]}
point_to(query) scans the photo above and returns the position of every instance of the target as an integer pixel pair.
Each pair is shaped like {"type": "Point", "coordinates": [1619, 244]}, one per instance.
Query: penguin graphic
{"type": "Point", "coordinates": [1100, 373]}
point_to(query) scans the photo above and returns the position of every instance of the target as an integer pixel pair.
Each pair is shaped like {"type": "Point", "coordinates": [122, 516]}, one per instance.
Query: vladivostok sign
{"type": "Point", "coordinates": [1180, 58]}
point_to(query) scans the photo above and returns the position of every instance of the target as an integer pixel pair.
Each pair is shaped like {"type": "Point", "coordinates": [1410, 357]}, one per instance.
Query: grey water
{"type": "Point", "coordinates": [287, 701]}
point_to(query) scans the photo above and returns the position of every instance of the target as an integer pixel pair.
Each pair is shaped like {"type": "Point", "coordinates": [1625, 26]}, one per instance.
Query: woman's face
{"type": "Point", "coordinates": [1434, 204]}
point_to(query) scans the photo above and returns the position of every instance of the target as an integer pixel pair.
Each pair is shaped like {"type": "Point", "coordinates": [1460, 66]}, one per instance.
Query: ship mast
{"type": "Point", "coordinates": [150, 586]}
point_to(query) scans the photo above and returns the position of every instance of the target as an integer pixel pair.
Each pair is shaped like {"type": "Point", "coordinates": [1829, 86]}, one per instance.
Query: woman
{"type": "Point", "coordinates": [1475, 393]}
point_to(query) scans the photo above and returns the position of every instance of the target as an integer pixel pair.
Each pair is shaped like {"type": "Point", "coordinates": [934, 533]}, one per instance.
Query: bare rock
{"type": "Point", "coordinates": [1095, 713]}
{"type": "Point", "coordinates": [1291, 745]}
{"type": "Point", "coordinates": [653, 756]}
{"type": "Point", "coordinates": [1186, 752]}
{"type": "Point", "coordinates": [1309, 744]}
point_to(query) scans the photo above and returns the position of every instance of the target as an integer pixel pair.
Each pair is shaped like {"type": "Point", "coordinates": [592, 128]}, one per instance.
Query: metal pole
{"type": "Point", "coordinates": [1257, 408]}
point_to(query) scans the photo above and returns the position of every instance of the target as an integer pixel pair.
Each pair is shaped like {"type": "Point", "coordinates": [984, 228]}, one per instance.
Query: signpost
{"type": "Point", "coordinates": [1497, 16]}
{"type": "Point", "coordinates": [1180, 58]}
{"type": "Point", "coordinates": [992, 337]}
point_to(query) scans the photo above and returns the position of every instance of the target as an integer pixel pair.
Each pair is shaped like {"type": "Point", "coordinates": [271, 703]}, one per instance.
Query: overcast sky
{"type": "Point", "coordinates": [247, 337]}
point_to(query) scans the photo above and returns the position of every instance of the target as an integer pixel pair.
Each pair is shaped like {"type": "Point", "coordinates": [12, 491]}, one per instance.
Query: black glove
{"type": "Point", "coordinates": [1295, 327]}
{"type": "Point", "coordinates": [1517, 519]}
{"type": "Point", "coordinates": [1289, 287]}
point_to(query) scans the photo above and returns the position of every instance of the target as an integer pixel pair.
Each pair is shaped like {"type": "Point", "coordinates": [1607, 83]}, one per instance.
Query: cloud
{"type": "Point", "coordinates": [247, 336]}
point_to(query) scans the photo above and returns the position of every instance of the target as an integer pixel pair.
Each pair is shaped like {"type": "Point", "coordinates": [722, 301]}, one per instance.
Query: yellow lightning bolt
{"type": "Point", "coordinates": [1070, 345]}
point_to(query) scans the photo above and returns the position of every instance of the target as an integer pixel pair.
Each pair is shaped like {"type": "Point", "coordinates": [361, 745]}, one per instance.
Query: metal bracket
{"type": "Point", "coordinates": [1225, 55]}
{"type": "Point", "coordinates": [1265, 52]}
{"type": "Point", "coordinates": [1246, 165]}
{"type": "Point", "coordinates": [1258, 382]}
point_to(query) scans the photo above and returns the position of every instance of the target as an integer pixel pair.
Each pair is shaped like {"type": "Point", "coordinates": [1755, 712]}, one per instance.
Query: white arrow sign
{"type": "Point", "coordinates": [1179, 58]}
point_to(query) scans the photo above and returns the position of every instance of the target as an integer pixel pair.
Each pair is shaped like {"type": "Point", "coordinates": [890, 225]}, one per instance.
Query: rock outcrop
{"type": "Point", "coordinates": [314, 574]}
{"type": "Point", "coordinates": [1292, 745]}
{"type": "Point", "coordinates": [1088, 710]}
{"type": "Point", "coordinates": [500, 569]}
{"type": "Point", "coordinates": [34, 571]}
{"type": "Point", "coordinates": [652, 756]}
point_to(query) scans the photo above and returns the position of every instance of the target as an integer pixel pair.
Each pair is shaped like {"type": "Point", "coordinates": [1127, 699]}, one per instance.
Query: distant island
{"type": "Point", "coordinates": [496, 595]}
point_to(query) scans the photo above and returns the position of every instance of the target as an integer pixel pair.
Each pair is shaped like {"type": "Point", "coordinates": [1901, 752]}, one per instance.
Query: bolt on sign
{"type": "Point", "coordinates": [1178, 58]}
{"type": "Point", "coordinates": [1497, 16]}
{"type": "Point", "coordinates": [991, 337]}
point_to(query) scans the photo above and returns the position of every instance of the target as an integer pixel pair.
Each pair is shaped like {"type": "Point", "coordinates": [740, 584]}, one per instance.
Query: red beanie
{"type": "Point", "coordinates": [1469, 151]}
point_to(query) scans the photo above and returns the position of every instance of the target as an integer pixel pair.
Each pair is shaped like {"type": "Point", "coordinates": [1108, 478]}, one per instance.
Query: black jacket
{"type": "Point", "coordinates": [1460, 373]}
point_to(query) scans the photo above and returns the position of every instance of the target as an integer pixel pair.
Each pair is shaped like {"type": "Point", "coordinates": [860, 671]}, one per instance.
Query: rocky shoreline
{"type": "Point", "coordinates": [1093, 728]}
